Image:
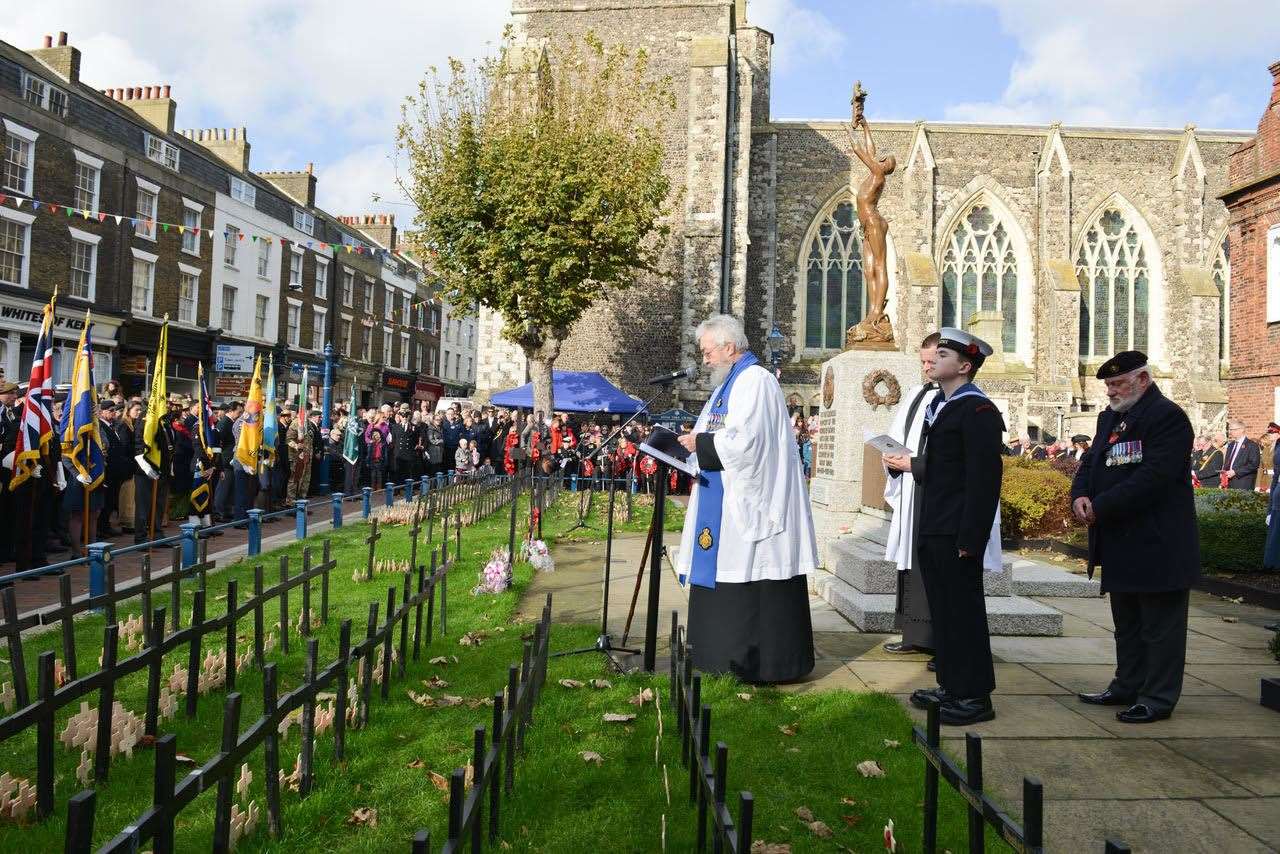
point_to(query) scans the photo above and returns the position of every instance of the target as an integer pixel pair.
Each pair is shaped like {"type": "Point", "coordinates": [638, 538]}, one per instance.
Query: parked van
{"type": "Point", "coordinates": [463, 403]}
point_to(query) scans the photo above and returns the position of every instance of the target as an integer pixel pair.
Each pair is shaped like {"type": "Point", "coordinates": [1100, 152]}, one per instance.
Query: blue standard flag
{"type": "Point", "coordinates": [81, 442]}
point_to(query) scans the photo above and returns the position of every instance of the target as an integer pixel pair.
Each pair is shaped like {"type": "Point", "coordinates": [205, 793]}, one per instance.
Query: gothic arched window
{"type": "Point", "coordinates": [1114, 273]}
{"type": "Point", "coordinates": [1222, 278]}
{"type": "Point", "coordinates": [980, 273]}
{"type": "Point", "coordinates": [835, 297]}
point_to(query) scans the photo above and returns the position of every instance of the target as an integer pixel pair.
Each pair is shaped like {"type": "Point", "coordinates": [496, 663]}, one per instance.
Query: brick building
{"type": "Point", "coordinates": [1072, 242]}
{"type": "Point", "coordinates": [1253, 200]}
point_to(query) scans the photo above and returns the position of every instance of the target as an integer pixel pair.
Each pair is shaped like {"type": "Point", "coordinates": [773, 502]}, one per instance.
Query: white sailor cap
{"type": "Point", "coordinates": [971, 347]}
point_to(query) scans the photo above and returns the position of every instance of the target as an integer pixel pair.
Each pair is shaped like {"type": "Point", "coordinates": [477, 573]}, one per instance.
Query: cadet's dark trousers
{"type": "Point", "coordinates": [142, 487]}
{"type": "Point", "coordinates": [1151, 646]}
{"type": "Point", "coordinates": [954, 588]}
{"type": "Point", "coordinates": [246, 490]}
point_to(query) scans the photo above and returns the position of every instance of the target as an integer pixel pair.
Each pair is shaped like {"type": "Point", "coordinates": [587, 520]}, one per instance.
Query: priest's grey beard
{"type": "Point", "coordinates": [718, 375]}
{"type": "Point", "coordinates": [1126, 403]}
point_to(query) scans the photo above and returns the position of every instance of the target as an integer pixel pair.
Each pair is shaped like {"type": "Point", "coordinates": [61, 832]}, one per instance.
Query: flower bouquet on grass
{"type": "Point", "coordinates": [536, 553]}
{"type": "Point", "coordinates": [496, 575]}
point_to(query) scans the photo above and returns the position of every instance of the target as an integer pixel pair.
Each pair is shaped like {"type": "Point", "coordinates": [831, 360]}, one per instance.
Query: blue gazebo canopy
{"type": "Point", "coordinates": [574, 391]}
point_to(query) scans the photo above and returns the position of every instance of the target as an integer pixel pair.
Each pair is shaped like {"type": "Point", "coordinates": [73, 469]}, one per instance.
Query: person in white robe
{"type": "Point", "coordinates": [748, 539]}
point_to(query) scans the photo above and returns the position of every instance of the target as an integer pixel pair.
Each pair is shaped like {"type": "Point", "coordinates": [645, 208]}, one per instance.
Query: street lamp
{"type": "Point", "coordinates": [776, 342]}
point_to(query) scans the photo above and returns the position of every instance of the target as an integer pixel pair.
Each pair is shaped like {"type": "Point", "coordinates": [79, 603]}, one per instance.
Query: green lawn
{"type": "Point", "coordinates": [561, 802]}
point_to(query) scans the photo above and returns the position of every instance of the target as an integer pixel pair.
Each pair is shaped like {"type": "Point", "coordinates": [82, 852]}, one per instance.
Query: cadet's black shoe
{"type": "Point", "coordinates": [931, 665]}
{"type": "Point", "coordinates": [921, 696]}
{"type": "Point", "coordinates": [1141, 713]}
{"type": "Point", "coordinates": [958, 712]}
{"type": "Point", "coordinates": [897, 647]}
{"type": "Point", "coordinates": [1106, 698]}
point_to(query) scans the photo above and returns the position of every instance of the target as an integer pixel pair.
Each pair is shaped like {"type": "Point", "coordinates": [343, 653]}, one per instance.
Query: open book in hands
{"type": "Point", "coordinates": [885, 444]}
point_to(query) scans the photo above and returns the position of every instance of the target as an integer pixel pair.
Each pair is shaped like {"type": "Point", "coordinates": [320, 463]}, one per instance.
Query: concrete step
{"type": "Point", "coordinates": [873, 612]}
{"type": "Point", "coordinates": [1031, 578]}
{"type": "Point", "coordinates": [861, 564]}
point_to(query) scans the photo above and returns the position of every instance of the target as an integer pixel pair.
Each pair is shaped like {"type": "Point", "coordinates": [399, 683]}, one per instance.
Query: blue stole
{"type": "Point", "coordinates": [935, 406]}
{"type": "Point", "coordinates": [706, 545]}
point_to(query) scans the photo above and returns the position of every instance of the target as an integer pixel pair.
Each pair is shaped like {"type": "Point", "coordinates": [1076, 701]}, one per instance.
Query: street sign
{"type": "Point", "coordinates": [225, 387]}
{"type": "Point", "coordinates": [233, 357]}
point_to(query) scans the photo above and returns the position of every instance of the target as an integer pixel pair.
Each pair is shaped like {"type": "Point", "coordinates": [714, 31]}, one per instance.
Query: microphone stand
{"type": "Point", "coordinates": [604, 642]}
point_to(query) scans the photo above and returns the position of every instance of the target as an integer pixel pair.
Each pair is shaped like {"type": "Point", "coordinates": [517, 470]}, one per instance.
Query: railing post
{"type": "Point", "coordinates": [189, 543]}
{"type": "Point", "coordinates": [389, 493]}
{"type": "Point", "coordinates": [573, 483]}
{"type": "Point", "coordinates": [1032, 813]}
{"type": "Point", "coordinates": [337, 509]}
{"type": "Point", "coordinates": [255, 531]}
{"type": "Point", "coordinates": [300, 519]}
{"type": "Point", "coordinates": [99, 554]}
{"type": "Point", "coordinates": [933, 733]}
{"type": "Point", "coordinates": [973, 776]}
{"type": "Point", "coordinates": [367, 491]}
{"type": "Point", "coordinates": [425, 485]}
{"type": "Point", "coordinates": [408, 489]}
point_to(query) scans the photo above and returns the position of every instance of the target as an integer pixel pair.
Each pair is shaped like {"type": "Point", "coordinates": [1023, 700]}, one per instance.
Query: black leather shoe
{"type": "Point", "coordinates": [1141, 713]}
{"type": "Point", "coordinates": [897, 647]}
{"type": "Point", "coordinates": [963, 712]}
{"type": "Point", "coordinates": [921, 696]}
{"type": "Point", "coordinates": [1106, 698]}
{"type": "Point", "coordinates": [931, 665]}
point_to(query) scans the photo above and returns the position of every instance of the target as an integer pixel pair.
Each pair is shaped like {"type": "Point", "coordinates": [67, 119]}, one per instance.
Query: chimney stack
{"type": "Point", "coordinates": [229, 145]}
{"type": "Point", "coordinates": [152, 103]}
{"type": "Point", "coordinates": [62, 59]}
{"type": "Point", "coordinates": [299, 186]}
{"type": "Point", "coordinates": [379, 228]}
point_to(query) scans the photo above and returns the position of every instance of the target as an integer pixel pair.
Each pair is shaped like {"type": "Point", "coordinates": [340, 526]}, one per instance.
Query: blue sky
{"type": "Point", "coordinates": [322, 81]}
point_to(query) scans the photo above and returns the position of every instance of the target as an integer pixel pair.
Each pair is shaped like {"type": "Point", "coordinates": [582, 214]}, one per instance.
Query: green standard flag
{"type": "Point", "coordinates": [351, 439]}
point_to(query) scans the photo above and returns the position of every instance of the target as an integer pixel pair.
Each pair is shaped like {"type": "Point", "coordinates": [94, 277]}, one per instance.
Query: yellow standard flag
{"type": "Point", "coordinates": [157, 403]}
{"type": "Point", "coordinates": [250, 441]}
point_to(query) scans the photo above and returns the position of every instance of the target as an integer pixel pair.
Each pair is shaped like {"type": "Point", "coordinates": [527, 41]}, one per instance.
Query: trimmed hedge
{"type": "Point", "coordinates": [1035, 500]}
{"type": "Point", "coordinates": [1233, 529]}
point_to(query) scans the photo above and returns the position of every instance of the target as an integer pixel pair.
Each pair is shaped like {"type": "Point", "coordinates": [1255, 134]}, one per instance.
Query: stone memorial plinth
{"type": "Point", "coordinates": [861, 390]}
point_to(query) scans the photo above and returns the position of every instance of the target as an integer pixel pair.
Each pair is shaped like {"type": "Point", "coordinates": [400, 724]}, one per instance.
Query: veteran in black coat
{"type": "Point", "coordinates": [1134, 492]}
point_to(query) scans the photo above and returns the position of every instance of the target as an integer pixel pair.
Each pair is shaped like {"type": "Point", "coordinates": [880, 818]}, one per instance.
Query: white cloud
{"type": "Point", "coordinates": [1110, 63]}
{"type": "Point", "coordinates": [801, 35]}
{"type": "Point", "coordinates": [318, 82]}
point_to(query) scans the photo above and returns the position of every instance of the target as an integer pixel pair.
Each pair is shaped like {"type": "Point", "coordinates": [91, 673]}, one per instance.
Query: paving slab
{"type": "Point", "coordinates": [1202, 649]}
{"type": "Point", "coordinates": [851, 645]}
{"type": "Point", "coordinates": [1241, 634]}
{"type": "Point", "coordinates": [1079, 627]}
{"type": "Point", "coordinates": [1162, 826]}
{"type": "Point", "coordinates": [1097, 768]}
{"type": "Point", "coordinates": [1258, 816]}
{"type": "Point", "coordinates": [1077, 678]}
{"type": "Point", "coordinates": [1220, 717]}
{"type": "Point", "coordinates": [897, 677]}
{"type": "Point", "coordinates": [1253, 763]}
{"type": "Point", "coordinates": [1054, 650]}
{"type": "Point", "coordinates": [1025, 717]}
{"type": "Point", "coordinates": [828, 675]}
{"type": "Point", "coordinates": [1241, 679]}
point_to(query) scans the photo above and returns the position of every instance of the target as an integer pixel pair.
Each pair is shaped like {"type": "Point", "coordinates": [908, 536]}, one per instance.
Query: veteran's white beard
{"type": "Point", "coordinates": [718, 375]}
{"type": "Point", "coordinates": [1124, 404]}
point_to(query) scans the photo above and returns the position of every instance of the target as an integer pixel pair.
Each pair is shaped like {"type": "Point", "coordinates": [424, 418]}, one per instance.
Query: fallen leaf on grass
{"type": "Point", "coordinates": [848, 801]}
{"type": "Point", "coordinates": [870, 768]}
{"type": "Point", "coordinates": [804, 813]}
{"type": "Point", "coordinates": [363, 815]}
{"type": "Point", "coordinates": [889, 742]}
{"type": "Point", "coordinates": [440, 781]}
{"type": "Point", "coordinates": [602, 683]}
{"type": "Point", "coordinates": [471, 639]}
{"type": "Point", "coordinates": [789, 729]}
{"type": "Point", "coordinates": [615, 718]}
{"type": "Point", "coordinates": [424, 700]}
{"type": "Point", "coordinates": [643, 697]}
{"type": "Point", "coordinates": [762, 847]}
{"type": "Point", "coordinates": [850, 820]}
{"type": "Point", "coordinates": [570, 683]}
{"type": "Point", "coordinates": [744, 696]}
{"type": "Point", "coordinates": [1230, 619]}
{"type": "Point", "coordinates": [477, 702]}
{"type": "Point", "coordinates": [820, 829]}
{"type": "Point", "coordinates": [435, 682]}
{"type": "Point", "coordinates": [183, 759]}
{"type": "Point", "coordinates": [591, 756]}
{"type": "Point", "coordinates": [417, 763]}
{"type": "Point", "coordinates": [443, 660]}
{"type": "Point", "coordinates": [793, 750]}
{"type": "Point", "coordinates": [449, 700]}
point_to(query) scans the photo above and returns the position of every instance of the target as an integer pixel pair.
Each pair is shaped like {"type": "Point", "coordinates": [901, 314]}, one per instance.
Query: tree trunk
{"type": "Point", "coordinates": [541, 363]}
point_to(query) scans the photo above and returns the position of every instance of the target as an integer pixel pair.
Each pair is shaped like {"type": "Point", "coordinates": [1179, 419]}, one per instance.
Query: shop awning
{"type": "Point", "coordinates": [574, 391]}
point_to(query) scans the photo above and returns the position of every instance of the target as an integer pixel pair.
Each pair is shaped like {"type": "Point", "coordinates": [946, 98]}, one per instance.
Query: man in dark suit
{"type": "Point", "coordinates": [1243, 458]}
{"type": "Point", "coordinates": [224, 493]}
{"type": "Point", "coordinates": [958, 470]}
{"type": "Point", "coordinates": [150, 482]}
{"type": "Point", "coordinates": [119, 465]}
{"type": "Point", "coordinates": [1134, 492]}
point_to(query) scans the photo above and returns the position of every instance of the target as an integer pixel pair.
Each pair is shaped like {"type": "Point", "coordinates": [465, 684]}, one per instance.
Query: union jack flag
{"type": "Point", "coordinates": [35, 431]}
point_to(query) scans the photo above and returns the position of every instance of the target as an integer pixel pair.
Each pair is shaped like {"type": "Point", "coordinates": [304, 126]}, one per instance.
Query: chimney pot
{"type": "Point", "coordinates": [310, 168]}
{"type": "Point", "coordinates": [147, 92]}
{"type": "Point", "coordinates": [48, 41]}
{"type": "Point", "coordinates": [166, 90]}
{"type": "Point", "coordinates": [62, 39]}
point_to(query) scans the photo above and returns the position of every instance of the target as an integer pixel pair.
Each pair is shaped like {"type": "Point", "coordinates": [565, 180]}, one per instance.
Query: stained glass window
{"type": "Point", "coordinates": [1222, 278]}
{"type": "Point", "coordinates": [1115, 282]}
{"type": "Point", "coordinates": [835, 297]}
{"type": "Point", "coordinates": [980, 273]}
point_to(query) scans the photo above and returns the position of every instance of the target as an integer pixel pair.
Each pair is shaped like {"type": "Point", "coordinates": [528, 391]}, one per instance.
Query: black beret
{"type": "Point", "coordinates": [1079, 437]}
{"type": "Point", "coordinates": [1122, 363]}
{"type": "Point", "coordinates": [107, 405]}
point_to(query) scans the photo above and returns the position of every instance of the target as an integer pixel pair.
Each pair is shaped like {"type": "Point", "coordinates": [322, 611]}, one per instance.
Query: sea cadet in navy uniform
{"type": "Point", "coordinates": [959, 470]}
{"type": "Point", "coordinates": [1134, 492]}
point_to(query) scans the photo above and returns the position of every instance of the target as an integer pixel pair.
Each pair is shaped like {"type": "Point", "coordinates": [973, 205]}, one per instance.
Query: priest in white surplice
{"type": "Point", "coordinates": [748, 536]}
